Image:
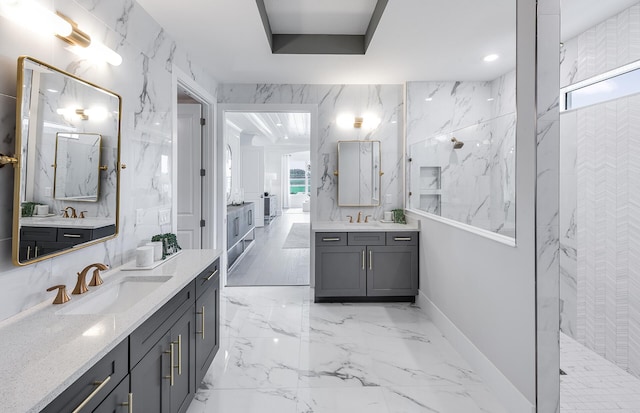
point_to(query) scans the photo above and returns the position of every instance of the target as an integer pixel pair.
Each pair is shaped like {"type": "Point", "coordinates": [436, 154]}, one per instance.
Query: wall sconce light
{"type": "Point", "coordinates": [33, 16]}
{"type": "Point", "coordinates": [367, 121]}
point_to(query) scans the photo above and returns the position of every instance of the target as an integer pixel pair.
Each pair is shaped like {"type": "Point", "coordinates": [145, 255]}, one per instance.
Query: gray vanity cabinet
{"type": "Point", "coordinates": [163, 380]}
{"type": "Point", "coordinates": [207, 336]}
{"type": "Point", "coordinates": [117, 401]}
{"type": "Point", "coordinates": [366, 264]}
{"type": "Point", "coordinates": [96, 384]}
{"type": "Point", "coordinates": [161, 363]}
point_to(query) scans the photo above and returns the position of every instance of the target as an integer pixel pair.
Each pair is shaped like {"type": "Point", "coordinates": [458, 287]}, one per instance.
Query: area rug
{"type": "Point", "coordinates": [298, 236]}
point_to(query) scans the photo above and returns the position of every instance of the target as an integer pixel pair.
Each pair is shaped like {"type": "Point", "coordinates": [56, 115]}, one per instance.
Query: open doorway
{"type": "Point", "coordinates": [270, 170]}
{"type": "Point", "coordinates": [197, 182]}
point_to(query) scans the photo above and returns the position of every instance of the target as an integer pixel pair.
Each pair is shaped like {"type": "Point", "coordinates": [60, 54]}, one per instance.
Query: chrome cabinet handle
{"type": "Point", "coordinates": [330, 239]}
{"type": "Point", "coordinates": [202, 314]}
{"type": "Point", "coordinates": [129, 403]}
{"type": "Point", "coordinates": [179, 343]}
{"type": "Point", "coordinates": [402, 238]}
{"type": "Point", "coordinates": [28, 252]}
{"type": "Point", "coordinates": [211, 275]}
{"type": "Point", "coordinates": [370, 259]}
{"type": "Point", "coordinates": [363, 259]}
{"type": "Point", "coordinates": [95, 391]}
{"type": "Point", "coordinates": [72, 235]}
{"type": "Point", "coordinates": [170, 376]}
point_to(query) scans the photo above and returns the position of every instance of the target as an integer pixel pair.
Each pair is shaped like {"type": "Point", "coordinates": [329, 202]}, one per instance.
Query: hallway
{"type": "Point", "coordinates": [270, 261]}
{"type": "Point", "coordinates": [280, 352]}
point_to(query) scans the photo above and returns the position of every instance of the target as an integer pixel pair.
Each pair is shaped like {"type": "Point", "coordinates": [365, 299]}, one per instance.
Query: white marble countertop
{"type": "Point", "coordinates": [375, 226]}
{"type": "Point", "coordinates": [42, 353]}
{"type": "Point", "coordinates": [59, 222]}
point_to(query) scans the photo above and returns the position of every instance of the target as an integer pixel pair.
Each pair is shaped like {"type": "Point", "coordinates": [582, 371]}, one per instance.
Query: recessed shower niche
{"type": "Point", "coordinates": [430, 187]}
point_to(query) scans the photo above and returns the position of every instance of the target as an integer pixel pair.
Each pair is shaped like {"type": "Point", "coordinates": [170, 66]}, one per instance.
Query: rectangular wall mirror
{"type": "Point", "coordinates": [67, 178]}
{"type": "Point", "coordinates": [359, 173]}
{"type": "Point", "coordinates": [77, 167]}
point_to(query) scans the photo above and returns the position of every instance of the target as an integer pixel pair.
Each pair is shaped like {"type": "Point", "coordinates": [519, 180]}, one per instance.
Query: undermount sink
{"type": "Point", "coordinates": [114, 298]}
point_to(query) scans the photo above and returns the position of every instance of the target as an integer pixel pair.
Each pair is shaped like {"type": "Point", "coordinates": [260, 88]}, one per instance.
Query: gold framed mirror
{"type": "Point", "coordinates": [67, 179]}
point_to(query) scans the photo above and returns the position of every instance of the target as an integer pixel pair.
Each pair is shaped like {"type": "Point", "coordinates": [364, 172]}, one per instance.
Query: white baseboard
{"type": "Point", "coordinates": [501, 387]}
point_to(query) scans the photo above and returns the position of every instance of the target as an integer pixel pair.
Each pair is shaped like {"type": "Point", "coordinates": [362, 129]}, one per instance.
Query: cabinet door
{"type": "Point", "coordinates": [96, 384]}
{"type": "Point", "coordinates": [118, 401]}
{"type": "Point", "coordinates": [207, 327]}
{"type": "Point", "coordinates": [340, 271]}
{"type": "Point", "coordinates": [151, 378]}
{"type": "Point", "coordinates": [184, 383]}
{"type": "Point", "coordinates": [392, 270]}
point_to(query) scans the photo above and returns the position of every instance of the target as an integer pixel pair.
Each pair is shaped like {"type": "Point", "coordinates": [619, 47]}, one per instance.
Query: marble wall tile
{"type": "Point", "coordinates": [547, 209]}
{"type": "Point", "coordinates": [477, 181]}
{"type": "Point", "coordinates": [596, 218]}
{"type": "Point", "coordinates": [385, 101]}
{"type": "Point", "coordinates": [144, 81]}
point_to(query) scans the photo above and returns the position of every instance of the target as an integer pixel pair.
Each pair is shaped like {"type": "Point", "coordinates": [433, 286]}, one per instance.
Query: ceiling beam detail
{"type": "Point", "coordinates": [334, 44]}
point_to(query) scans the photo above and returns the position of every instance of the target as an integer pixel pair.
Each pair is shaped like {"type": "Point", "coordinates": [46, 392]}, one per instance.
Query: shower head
{"type": "Point", "coordinates": [456, 143]}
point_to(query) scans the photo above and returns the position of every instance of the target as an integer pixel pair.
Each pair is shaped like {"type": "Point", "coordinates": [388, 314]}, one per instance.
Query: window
{"type": "Point", "coordinates": [299, 181]}
{"type": "Point", "coordinates": [614, 84]}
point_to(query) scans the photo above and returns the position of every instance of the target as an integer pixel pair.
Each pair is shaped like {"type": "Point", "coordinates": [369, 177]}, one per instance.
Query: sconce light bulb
{"type": "Point", "coordinates": [34, 17]}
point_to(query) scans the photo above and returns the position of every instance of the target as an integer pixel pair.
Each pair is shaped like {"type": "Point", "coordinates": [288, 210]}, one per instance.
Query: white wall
{"type": "Point", "coordinates": [144, 80]}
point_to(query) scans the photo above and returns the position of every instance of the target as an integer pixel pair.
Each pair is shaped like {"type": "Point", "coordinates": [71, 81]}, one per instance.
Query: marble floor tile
{"type": "Point", "coordinates": [256, 363]}
{"type": "Point", "coordinates": [336, 362]}
{"type": "Point", "coordinates": [341, 400]}
{"type": "Point", "coordinates": [413, 399]}
{"type": "Point", "coordinates": [280, 352]}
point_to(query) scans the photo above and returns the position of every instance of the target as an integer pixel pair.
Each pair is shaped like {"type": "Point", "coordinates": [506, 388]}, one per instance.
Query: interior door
{"type": "Point", "coordinates": [189, 179]}
{"type": "Point", "coordinates": [253, 179]}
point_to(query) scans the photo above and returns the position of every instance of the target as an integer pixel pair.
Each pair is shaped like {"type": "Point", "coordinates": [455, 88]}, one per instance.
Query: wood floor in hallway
{"type": "Point", "coordinates": [267, 262]}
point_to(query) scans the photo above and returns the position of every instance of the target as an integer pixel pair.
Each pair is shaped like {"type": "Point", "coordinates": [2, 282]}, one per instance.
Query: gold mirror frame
{"type": "Point", "coordinates": [19, 165]}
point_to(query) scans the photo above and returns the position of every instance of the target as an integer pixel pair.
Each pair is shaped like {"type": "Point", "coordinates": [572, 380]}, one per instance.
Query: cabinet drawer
{"type": "Point", "coordinates": [113, 367]}
{"type": "Point", "coordinates": [208, 278]}
{"type": "Point", "coordinates": [331, 238]}
{"type": "Point", "coordinates": [152, 330]}
{"type": "Point", "coordinates": [38, 233]}
{"type": "Point", "coordinates": [366, 238]}
{"type": "Point", "coordinates": [74, 235]}
{"type": "Point", "coordinates": [402, 238]}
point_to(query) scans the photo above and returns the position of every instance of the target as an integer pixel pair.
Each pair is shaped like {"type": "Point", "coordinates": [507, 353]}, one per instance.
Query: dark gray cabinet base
{"type": "Point", "coordinates": [158, 366]}
{"type": "Point", "coordinates": [366, 266]}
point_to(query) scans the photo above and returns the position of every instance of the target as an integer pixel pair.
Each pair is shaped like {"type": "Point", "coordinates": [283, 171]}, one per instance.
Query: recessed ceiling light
{"type": "Point", "coordinates": [491, 58]}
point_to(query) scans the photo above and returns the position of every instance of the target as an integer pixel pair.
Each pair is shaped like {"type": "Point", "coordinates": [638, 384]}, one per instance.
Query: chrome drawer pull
{"type": "Point", "coordinates": [402, 238]}
{"type": "Point", "coordinates": [72, 236]}
{"type": "Point", "coordinates": [210, 276]}
{"type": "Point", "coordinates": [330, 239]}
{"type": "Point", "coordinates": [95, 391]}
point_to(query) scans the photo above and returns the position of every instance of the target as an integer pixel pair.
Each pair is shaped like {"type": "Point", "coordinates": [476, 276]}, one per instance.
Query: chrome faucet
{"type": "Point", "coordinates": [359, 216]}
{"type": "Point", "coordinates": [81, 284]}
{"type": "Point", "coordinates": [65, 212]}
